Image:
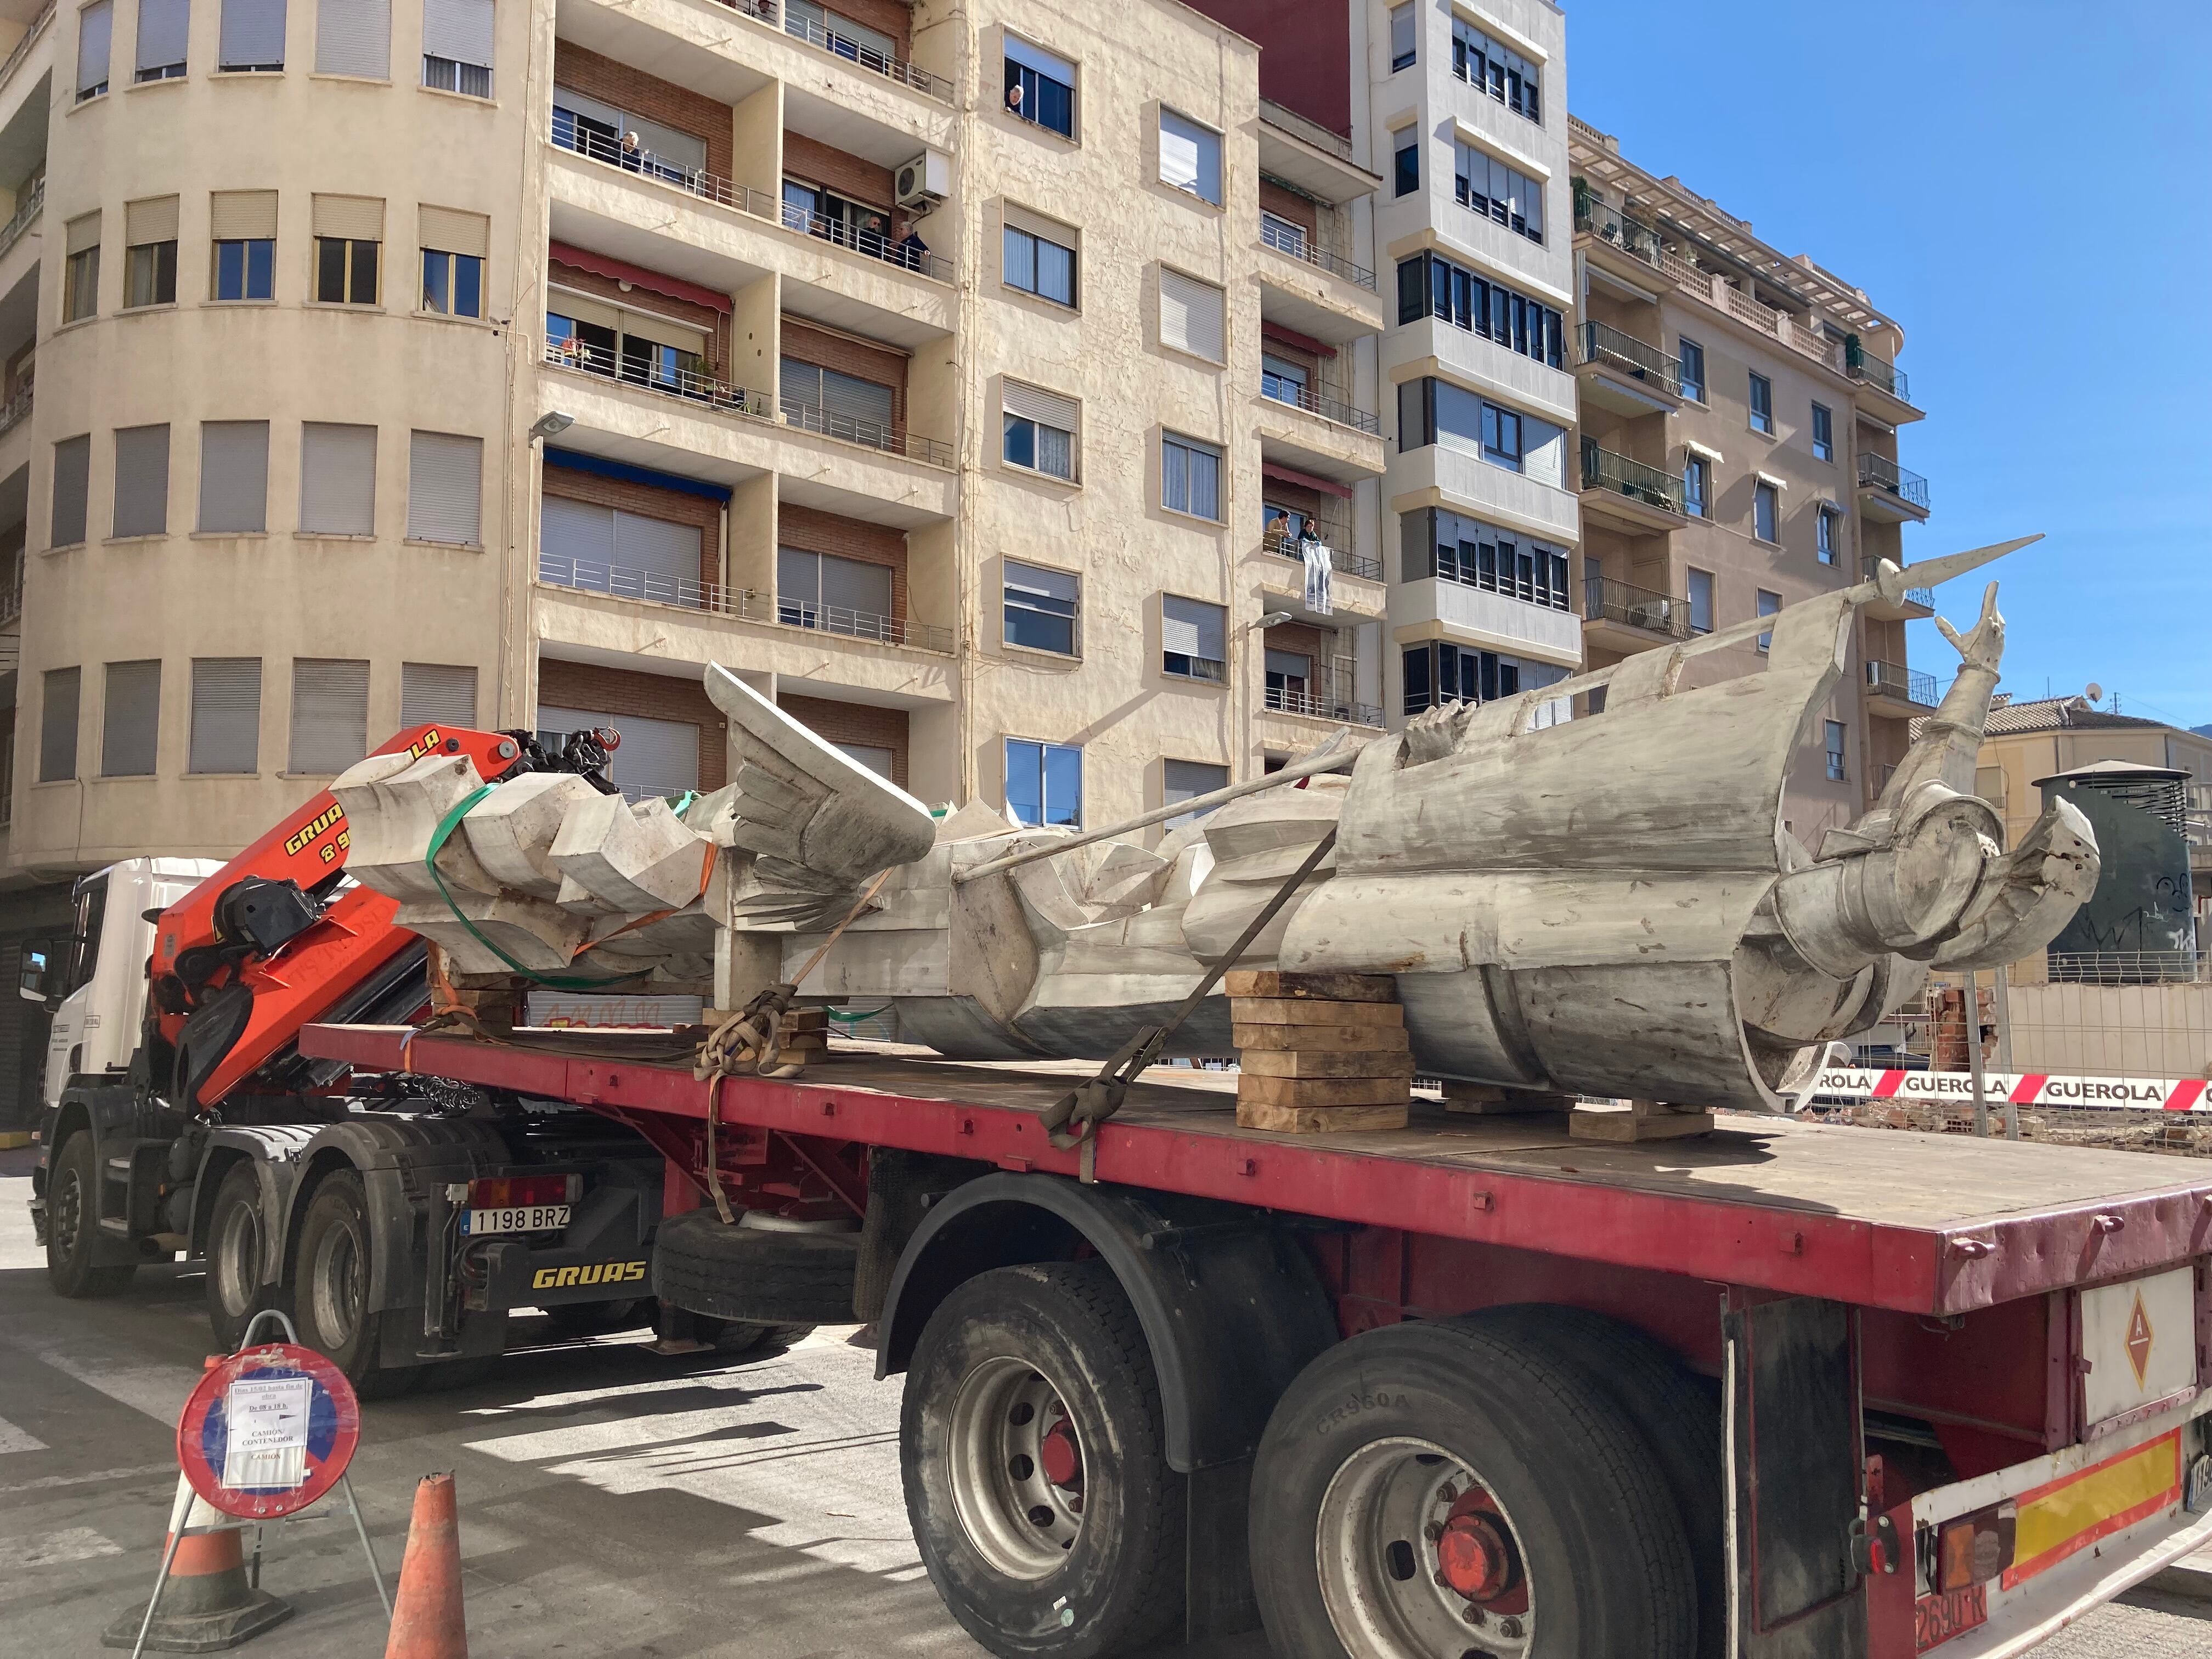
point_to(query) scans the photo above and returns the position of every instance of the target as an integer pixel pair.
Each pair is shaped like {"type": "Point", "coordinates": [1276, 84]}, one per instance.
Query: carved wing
{"type": "Point", "coordinates": [819, 824]}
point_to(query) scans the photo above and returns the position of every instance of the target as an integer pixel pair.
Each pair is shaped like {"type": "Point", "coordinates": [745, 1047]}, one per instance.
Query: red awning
{"type": "Point", "coordinates": [1342, 492]}
{"type": "Point", "coordinates": [1291, 337]}
{"type": "Point", "coordinates": [622, 270]}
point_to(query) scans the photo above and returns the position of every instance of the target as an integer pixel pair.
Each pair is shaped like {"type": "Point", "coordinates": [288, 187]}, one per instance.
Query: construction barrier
{"type": "Point", "coordinates": [1853, 1084]}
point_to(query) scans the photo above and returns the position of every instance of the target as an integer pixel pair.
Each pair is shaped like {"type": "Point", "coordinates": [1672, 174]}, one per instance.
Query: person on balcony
{"type": "Point", "coordinates": [1279, 534]}
{"type": "Point", "coordinates": [633, 153]}
{"type": "Point", "coordinates": [913, 253]}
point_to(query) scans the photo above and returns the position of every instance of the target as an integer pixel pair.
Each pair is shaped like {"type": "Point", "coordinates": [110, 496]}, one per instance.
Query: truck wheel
{"type": "Point", "coordinates": [754, 1274]}
{"type": "Point", "coordinates": [235, 1291]}
{"type": "Point", "coordinates": [736, 1336]}
{"type": "Point", "coordinates": [1031, 1441]}
{"type": "Point", "coordinates": [330, 1287]}
{"type": "Point", "coordinates": [73, 1225]}
{"type": "Point", "coordinates": [1433, 1489]}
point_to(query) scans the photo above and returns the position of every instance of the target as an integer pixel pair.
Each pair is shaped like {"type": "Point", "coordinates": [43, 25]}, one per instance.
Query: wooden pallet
{"type": "Point", "coordinates": [1319, 1053]}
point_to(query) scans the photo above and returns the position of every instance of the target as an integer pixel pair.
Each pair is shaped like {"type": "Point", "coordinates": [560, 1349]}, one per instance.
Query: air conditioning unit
{"type": "Point", "coordinates": [925, 181]}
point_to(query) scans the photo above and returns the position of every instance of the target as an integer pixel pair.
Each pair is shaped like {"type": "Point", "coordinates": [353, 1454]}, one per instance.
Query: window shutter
{"type": "Point", "coordinates": [570, 532]}
{"type": "Point", "coordinates": [657, 758]}
{"type": "Point", "coordinates": [338, 480]}
{"type": "Point", "coordinates": [451, 231]}
{"type": "Point", "coordinates": [1034, 403]}
{"type": "Point", "coordinates": [142, 481]}
{"type": "Point", "coordinates": [1036, 57]}
{"type": "Point", "coordinates": [353, 37]}
{"type": "Point", "coordinates": [1191, 316]}
{"type": "Point", "coordinates": [253, 34]}
{"type": "Point", "coordinates": [130, 722]}
{"type": "Point", "coordinates": [161, 30]}
{"type": "Point", "coordinates": [661, 331]}
{"type": "Point", "coordinates": [437, 694]}
{"type": "Point", "coordinates": [1193, 628]}
{"type": "Point", "coordinates": [226, 714]}
{"type": "Point", "coordinates": [1020, 218]}
{"type": "Point", "coordinates": [884, 762]}
{"type": "Point", "coordinates": [856, 586]}
{"type": "Point", "coordinates": [242, 216]}
{"type": "Point", "coordinates": [798, 575]}
{"type": "Point", "coordinates": [839, 394]}
{"type": "Point", "coordinates": [330, 715]}
{"type": "Point", "coordinates": [459, 29]}
{"type": "Point", "coordinates": [83, 233]}
{"type": "Point", "coordinates": [72, 483]}
{"type": "Point", "coordinates": [153, 220]}
{"type": "Point", "coordinates": [234, 477]}
{"type": "Point", "coordinates": [358, 218]}
{"type": "Point", "coordinates": [669, 147]}
{"type": "Point", "coordinates": [1181, 160]}
{"type": "Point", "coordinates": [58, 725]}
{"type": "Point", "coordinates": [656, 546]}
{"type": "Point", "coordinates": [95, 25]}
{"type": "Point", "coordinates": [445, 488]}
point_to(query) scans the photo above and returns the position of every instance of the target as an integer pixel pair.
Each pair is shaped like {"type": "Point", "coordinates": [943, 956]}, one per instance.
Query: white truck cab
{"type": "Point", "coordinates": [96, 989]}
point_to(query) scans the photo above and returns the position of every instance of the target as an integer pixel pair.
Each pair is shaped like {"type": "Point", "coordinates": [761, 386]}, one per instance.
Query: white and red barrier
{"type": "Point", "coordinates": [2142, 1094]}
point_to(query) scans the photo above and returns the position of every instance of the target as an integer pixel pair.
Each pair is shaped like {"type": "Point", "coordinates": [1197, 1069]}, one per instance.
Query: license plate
{"type": "Point", "coordinates": [1953, 1613]}
{"type": "Point", "coordinates": [516, 1219]}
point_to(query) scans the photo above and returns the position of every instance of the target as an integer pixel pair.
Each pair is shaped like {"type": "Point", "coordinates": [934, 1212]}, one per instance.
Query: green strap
{"type": "Point", "coordinates": [844, 1018]}
{"type": "Point", "coordinates": [438, 837]}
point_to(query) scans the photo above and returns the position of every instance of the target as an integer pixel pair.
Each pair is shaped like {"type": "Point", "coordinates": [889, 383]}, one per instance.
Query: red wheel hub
{"type": "Point", "coordinates": [1060, 1456]}
{"type": "Point", "coordinates": [1473, 1555]}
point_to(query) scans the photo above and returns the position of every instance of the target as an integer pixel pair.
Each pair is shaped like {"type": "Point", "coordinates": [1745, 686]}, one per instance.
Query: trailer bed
{"type": "Point", "coordinates": [1920, 1224]}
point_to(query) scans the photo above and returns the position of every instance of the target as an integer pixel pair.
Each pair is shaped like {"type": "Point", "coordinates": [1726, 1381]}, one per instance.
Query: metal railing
{"type": "Point", "coordinates": [1870, 567]}
{"type": "Point", "coordinates": [1277, 388]}
{"type": "Point", "coordinates": [891, 69]}
{"type": "Point", "coordinates": [1860, 364]}
{"type": "Point", "coordinates": [25, 210]}
{"type": "Point", "coordinates": [1321, 703]}
{"type": "Point", "coordinates": [1880, 472]}
{"type": "Point", "coordinates": [1293, 240]}
{"type": "Point", "coordinates": [13, 412]}
{"type": "Point", "coordinates": [2128, 967]}
{"type": "Point", "coordinates": [1604, 469]}
{"type": "Point", "coordinates": [871, 434]}
{"type": "Point", "coordinates": [838, 619]}
{"type": "Point", "coordinates": [1609, 224]}
{"type": "Point", "coordinates": [1894, 679]}
{"type": "Point", "coordinates": [1601, 342]}
{"type": "Point", "coordinates": [1349, 564]}
{"type": "Point", "coordinates": [688, 384]}
{"type": "Point", "coordinates": [1607, 601]}
{"type": "Point", "coordinates": [746, 604]}
{"type": "Point", "coordinates": [30, 39]}
{"type": "Point", "coordinates": [869, 244]}
{"type": "Point", "coordinates": [11, 596]}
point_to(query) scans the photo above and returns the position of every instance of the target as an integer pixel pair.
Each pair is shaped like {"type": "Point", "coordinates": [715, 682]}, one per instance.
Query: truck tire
{"type": "Point", "coordinates": [330, 1287]}
{"type": "Point", "coordinates": [73, 1234]}
{"type": "Point", "coordinates": [735, 1336]}
{"type": "Point", "coordinates": [1033, 1449]}
{"type": "Point", "coordinates": [1437, 1489]}
{"type": "Point", "coordinates": [703, 1266]}
{"type": "Point", "coordinates": [235, 1251]}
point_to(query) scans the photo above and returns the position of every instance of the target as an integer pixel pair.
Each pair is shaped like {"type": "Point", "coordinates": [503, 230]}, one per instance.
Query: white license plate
{"type": "Point", "coordinates": [516, 1219]}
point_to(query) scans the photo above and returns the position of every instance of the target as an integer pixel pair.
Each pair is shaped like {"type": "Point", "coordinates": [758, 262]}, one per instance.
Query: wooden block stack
{"type": "Point", "coordinates": [805, 1037]}
{"type": "Point", "coordinates": [1319, 1052]}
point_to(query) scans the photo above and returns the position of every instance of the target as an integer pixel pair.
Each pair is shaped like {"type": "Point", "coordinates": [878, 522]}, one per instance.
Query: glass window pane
{"type": "Point", "coordinates": [1021, 441]}
{"type": "Point", "coordinates": [1055, 271]}
{"type": "Point", "coordinates": [1025, 781]}
{"type": "Point", "coordinates": [260, 270]}
{"type": "Point", "coordinates": [1063, 786]}
{"type": "Point", "coordinates": [364, 273]}
{"type": "Point", "coordinates": [330, 269]}
{"type": "Point", "coordinates": [468, 285]}
{"type": "Point", "coordinates": [1021, 260]}
{"type": "Point", "coordinates": [435, 266]}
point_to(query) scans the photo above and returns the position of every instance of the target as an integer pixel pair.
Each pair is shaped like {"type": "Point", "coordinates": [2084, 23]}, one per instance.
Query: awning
{"type": "Point", "coordinates": [621, 270]}
{"type": "Point", "coordinates": [1289, 475]}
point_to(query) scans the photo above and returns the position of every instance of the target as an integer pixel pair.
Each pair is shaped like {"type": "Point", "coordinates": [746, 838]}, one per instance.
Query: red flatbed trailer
{"type": "Point", "coordinates": [1962, 1385]}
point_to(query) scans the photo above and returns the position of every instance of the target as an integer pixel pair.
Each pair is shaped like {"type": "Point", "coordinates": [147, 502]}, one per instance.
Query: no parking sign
{"type": "Point", "coordinates": [268, 1430]}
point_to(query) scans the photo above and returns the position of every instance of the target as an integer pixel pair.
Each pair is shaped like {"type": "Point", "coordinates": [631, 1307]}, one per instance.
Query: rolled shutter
{"type": "Point", "coordinates": [863, 400]}
{"type": "Point", "coordinates": [330, 715]}
{"type": "Point", "coordinates": [660, 549]}
{"type": "Point", "coordinates": [884, 762]}
{"type": "Point", "coordinates": [450, 230]}
{"type": "Point", "coordinates": [58, 725]}
{"type": "Point", "coordinates": [656, 758]}
{"type": "Point", "coordinates": [563, 302]}
{"type": "Point", "coordinates": [661, 331]}
{"type": "Point", "coordinates": [242, 216]}
{"type": "Point", "coordinates": [337, 479]}
{"type": "Point", "coordinates": [671, 148]}
{"type": "Point", "coordinates": [856, 586]}
{"type": "Point", "coordinates": [226, 714]}
{"type": "Point", "coordinates": [1191, 316]}
{"type": "Point", "coordinates": [153, 220]}
{"type": "Point", "coordinates": [437, 694]}
{"type": "Point", "coordinates": [161, 32]}
{"type": "Point", "coordinates": [567, 100]}
{"type": "Point", "coordinates": [1036, 580]}
{"type": "Point", "coordinates": [1034, 403]}
{"type": "Point", "coordinates": [94, 35]}
{"type": "Point", "coordinates": [253, 34]}
{"type": "Point", "coordinates": [142, 481]}
{"type": "Point", "coordinates": [83, 233]}
{"type": "Point", "coordinates": [72, 483]}
{"type": "Point", "coordinates": [1036, 57]}
{"type": "Point", "coordinates": [234, 477]}
{"type": "Point", "coordinates": [353, 37]}
{"type": "Point", "coordinates": [459, 29]}
{"type": "Point", "coordinates": [445, 488]}
{"type": "Point", "coordinates": [1192, 628]}
{"type": "Point", "coordinates": [798, 576]}
{"type": "Point", "coordinates": [1020, 218]}
{"type": "Point", "coordinates": [575, 542]}
{"type": "Point", "coordinates": [358, 218]}
{"type": "Point", "coordinates": [131, 720]}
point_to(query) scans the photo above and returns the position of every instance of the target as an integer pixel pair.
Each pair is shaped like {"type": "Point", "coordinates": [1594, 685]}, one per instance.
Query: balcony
{"type": "Point", "coordinates": [1621, 616]}
{"type": "Point", "coordinates": [1319, 699]}
{"type": "Point", "coordinates": [877, 63]}
{"type": "Point", "coordinates": [1896, 691]}
{"type": "Point", "coordinates": [1886, 380]}
{"type": "Point", "coordinates": [31, 37]}
{"type": "Point", "coordinates": [28, 210]}
{"type": "Point", "coordinates": [1611, 229]}
{"type": "Point", "coordinates": [1637, 497]}
{"type": "Point", "coordinates": [1888, 494]}
{"type": "Point", "coordinates": [1918, 602]}
{"type": "Point", "coordinates": [11, 598]}
{"type": "Point", "coordinates": [1310, 432]}
{"type": "Point", "coordinates": [1629, 376]}
{"type": "Point", "coordinates": [1344, 563]}
{"type": "Point", "coordinates": [1293, 240]}
{"type": "Point", "coordinates": [746, 604]}
{"type": "Point", "coordinates": [1312, 291]}
{"type": "Point", "coordinates": [1280, 389]}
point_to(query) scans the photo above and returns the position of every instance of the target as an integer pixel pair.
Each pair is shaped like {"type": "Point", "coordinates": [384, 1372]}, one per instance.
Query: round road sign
{"type": "Point", "coordinates": [268, 1430]}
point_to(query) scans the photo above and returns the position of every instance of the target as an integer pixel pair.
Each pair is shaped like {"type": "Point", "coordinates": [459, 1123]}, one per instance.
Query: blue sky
{"type": "Point", "coordinates": [2022, 186]}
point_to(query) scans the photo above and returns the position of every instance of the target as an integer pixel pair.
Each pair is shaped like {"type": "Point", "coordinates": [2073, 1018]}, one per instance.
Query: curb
{"type": "Point", "coordinates": [2190, 1577]}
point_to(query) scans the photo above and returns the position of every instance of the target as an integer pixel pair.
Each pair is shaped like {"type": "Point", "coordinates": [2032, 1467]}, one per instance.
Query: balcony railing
{"type": "Point", "coordinates": [11, 598]}
{"type": "Point", "coordinates": [891, 69]}
{"type": "Point", "coordinates": [1293, 240]}
{"type": "Point", "coordinates": [1349, 564]}
{"type": "Point", "coordinates": [870, 244]}
{"type": "Point", "coordinates": [16, 408]}
{"type": "Point", "coordinates": [1870, 567]}
{"type": "Point", "coordinates": [1860, 364]}
{"type": "Point", "coordinates": [1880, 472]}
{"type": "Point", "coordinates": [30, 39]}
{"type": "Point", "coordinates": [1603, 469]}
{"type": "Point", "coordinates": [1603, 343]}
{"type": "Point", "coordinates": [1894, 679]}
{"type": "Point", "coordinates": [1277, 388]}
{"type": "Point", "coordinates": [872, 434]}
{"type": "Point", "coordinates": [688, 384]}
{"type": "Point", "coordinates": [29, 208]}
{"type": "Point", "coordinates": [1317, 698]}
{"type": "Point", "coordinates": [747, 603]}
{"type": "Point", "coordinates": [1607, 601]}
{"type": "Point", "coordinates": [1609, 224]}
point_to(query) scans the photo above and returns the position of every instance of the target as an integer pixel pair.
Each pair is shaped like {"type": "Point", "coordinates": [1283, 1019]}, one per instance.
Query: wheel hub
{"type": "Point", "coordinates": [1061, 1457]}
{"type": "Point", "coordinates": [1473, 1558]}
{"type": "Point", "coordinates": [1016, 1467]}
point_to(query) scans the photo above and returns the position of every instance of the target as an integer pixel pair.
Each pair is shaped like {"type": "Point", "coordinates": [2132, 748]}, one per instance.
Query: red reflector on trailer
{"type": "Point", "coordinates": [518, 1192]}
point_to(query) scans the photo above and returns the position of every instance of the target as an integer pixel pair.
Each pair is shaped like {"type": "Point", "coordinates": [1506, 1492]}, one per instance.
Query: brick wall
{"type": "Point", "coordinates": [639, 94]}
{"type": "Point", "coordinates": [812, 163]}
{"type": "Point", "coordinates": [847, 356]}
{"type": "Point", "coordinates": [619, 691]}
{"type": "Point", "coordinates": [675, 506]}
{"type": "Point", "coordinates": [1305, 639]}
{"type": "Point", "coordinates": [891, 17]}
{"type": "Point", "coordinates": [1273, 199]}
{"type": "Point", "coordinates": [815, 532]}
{"type": "Point", "coordinates": [853, 722]}
{"type": "Point", "coordinates": [716, 323]}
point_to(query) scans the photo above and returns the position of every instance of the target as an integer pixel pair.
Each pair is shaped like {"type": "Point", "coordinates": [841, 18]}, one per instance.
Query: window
{"type": "Point", "coordinates": [1190, 157]}
{"type": "Point", "coordinates": [457, 45]}
{"type": "Point", "coordinates": [330, 715]}
{"type": "Point", "coordinates": [353, 37]}
{"type": "Point", "coordinates": [1765, 506]}
{"type": "Point", "coordinates": [884, 762]}
{"type": "Point", "coordinates": [1693, 370]}
{"type": "Point", "coordinates": [1825, 530]}
{"type": "Point", "coordinates": [1433, 411]}
{"type": "Point", "coordinates": [1506, 196]}
{"type": "Point", "coordinates": [1182, 781]}
{"type": "Point", "coordinates": [1439, 673]}
{"type": "Point", "coordinates": [836, 595]}
{"type": "Point", "coordinates": [1444, 544]}
{"type": "Point", "coordinates": [1501, 436]}
{"type": "Point", "coordinates": [1824, 433]}
{"type": "Point", "coordinates": [843, 406]}
{"type": "Point", "coordinates": [1430, 285]}
{"type": "Point", "coordinates": [1284, 381]}
{"type": "Point", "coordinates": [58, 725]}
{"type": "Point", "coordinates": [437, 694]}
{"type": "Point", "coordinates": [855, 42]}
{"type": "Point", "coordinates": [606, 550]}
{"type": "Point", "coordinates": [1768, 604]}
{"type": "Point", "coordinates": [454, 245]}
{"type": "Point", "coordinates": [149, 236]}
{"type": "Point", "coordinates": [81, 277]}
{"type": "Point", "coordinates": [337, 479]}
{"type": "Point", "coordinates": [1701, 601]}
{"type": "Point", "coordinates": [1192, 638]}
{"type": "Point", "coordinates": [1502, 72]}
{"type": "Point", "coordinates": [1040, 87]}
{"type": "Point", "coordinates": [72, 483]}
{"type": "Point", "coordinates": [657, 758]}
{"type": "Point", "coordinates": [1044, 783]}
{"type": "Point", "coordinates": [1838, 770]}
{"type": "Point", "coordinates": [162, 25]}
{"type": "Point", "coordinates": [142, 481]}
{"type": "Point", "coordinates": [130, 718]}
{"type": "Point", "coordinates": [243, 225]}
{"type": "Point", "coordinates": [95, 39]}
{"type": "Point", "coordinates": [1039, 258]}
{"type": "Point", "coordinates": [1039, 430]}
{"type": "Point", "coordinates": [1190, 477]}
{"type": "Point", "coordinates": [1697, 486]}
{"type": "Point", "coordinates": [349, 240]}
{"type": "Point", "coordinates": [253, 36]}
{"type": "Point", "coordinates": [226, 714]}
{"type": "Point", "coordinates": [1191, 316]}
{"type": "Point", "coordinates": [1041, 608]}
{"type": "Point", "coordinates": [1402, 25]}
{"type": "Point", "coordinates": [1287, 234]}
{"type": "Point", "coordinates": [1288, 682]}
{"type": "Point", "coordinates": [1406, 162]}
{"type": "Point", "coordinates": [1762, 404]}
{"type": "Point", "coordinates": [445, 488]}
{"type": "Point", "coordinates": [603, 133]}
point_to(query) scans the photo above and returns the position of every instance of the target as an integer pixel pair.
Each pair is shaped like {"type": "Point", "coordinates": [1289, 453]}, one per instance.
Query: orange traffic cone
{"type": "Point", "coordinates": [427, 1621]}
{"type": "Point", "coordinates": [203, 1604]}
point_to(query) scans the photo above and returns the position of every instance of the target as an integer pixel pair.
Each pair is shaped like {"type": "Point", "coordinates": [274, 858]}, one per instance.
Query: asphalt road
{"type": "Point", "coordinates": [614, 1504]}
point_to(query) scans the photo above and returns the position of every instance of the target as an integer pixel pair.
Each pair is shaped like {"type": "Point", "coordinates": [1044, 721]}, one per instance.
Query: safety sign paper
{"type": "Point", "coordinates": [266, 1424]}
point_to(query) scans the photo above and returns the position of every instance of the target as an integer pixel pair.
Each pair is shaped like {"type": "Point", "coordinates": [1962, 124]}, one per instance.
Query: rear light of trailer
{"type": "Point", "coordinates": [523, 1191]}
{"type": "Point", "coordinates": [1974, 1549]}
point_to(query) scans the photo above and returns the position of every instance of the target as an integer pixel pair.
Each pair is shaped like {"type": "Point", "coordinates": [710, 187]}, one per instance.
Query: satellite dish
{"type": "Point", "coordinates": [2095, 693]}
